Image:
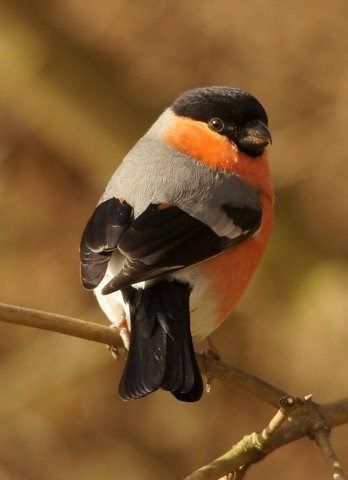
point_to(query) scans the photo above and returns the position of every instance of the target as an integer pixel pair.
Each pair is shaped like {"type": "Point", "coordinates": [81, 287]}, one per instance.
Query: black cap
{"type": "Point", "coordinates": [236, 108]}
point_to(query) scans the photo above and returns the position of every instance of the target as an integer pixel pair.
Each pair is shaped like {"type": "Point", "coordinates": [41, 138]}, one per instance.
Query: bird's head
{"type": "Point", "coordinates": [224, 128]}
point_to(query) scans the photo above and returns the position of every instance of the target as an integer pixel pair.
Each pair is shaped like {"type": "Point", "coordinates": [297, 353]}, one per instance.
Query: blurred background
{"type": "Point", "coordinates": [79, 83]}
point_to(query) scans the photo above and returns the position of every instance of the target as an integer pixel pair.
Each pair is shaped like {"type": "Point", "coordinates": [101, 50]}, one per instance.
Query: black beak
{"type": "Point", "coordinates": [254, 138]}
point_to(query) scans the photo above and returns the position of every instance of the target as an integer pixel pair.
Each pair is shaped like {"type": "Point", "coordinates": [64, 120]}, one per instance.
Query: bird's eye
{"type": "Point", "coordinates": [216, 124]}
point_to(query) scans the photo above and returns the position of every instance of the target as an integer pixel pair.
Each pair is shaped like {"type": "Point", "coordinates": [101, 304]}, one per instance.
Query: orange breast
{"type": "Point", "coordinates": [230, 272]}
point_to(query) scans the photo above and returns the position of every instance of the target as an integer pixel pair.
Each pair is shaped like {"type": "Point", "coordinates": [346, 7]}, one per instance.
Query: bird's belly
{"type": "Point", "coordinates": [204, 307]}
{"type": "Point", "coordinates": [218, 285]}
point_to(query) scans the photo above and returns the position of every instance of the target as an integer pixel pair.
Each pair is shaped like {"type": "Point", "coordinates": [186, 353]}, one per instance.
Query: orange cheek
{"type": "Point", "coordinates": [198, 141]}
{"type": "Point", "coordinates": [217, 152]}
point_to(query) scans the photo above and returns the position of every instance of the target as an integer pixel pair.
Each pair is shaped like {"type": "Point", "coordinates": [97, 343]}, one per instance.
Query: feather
{"type": "Point", "coordinates": [161, 353]}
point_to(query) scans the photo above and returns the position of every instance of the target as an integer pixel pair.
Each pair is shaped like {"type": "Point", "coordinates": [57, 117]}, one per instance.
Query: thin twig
{"type": "Point", "coordinates": [60, 324]}
{"type": "Point", "coordinates": [258, 387]}
{"type": "Point", "coordinates": [336, 412]}
{"type": "Point", "coordinates": [234, 463]}
{"type": "Point", "coordinates": [297, 418]}
{"type": "Point", "coordinates": [322, 437]}
{"type": "Point", "coordinates": [99, 333]}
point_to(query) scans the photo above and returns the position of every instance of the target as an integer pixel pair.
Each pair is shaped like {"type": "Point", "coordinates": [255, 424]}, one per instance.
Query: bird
{"type": "Point", "coordinates": [178, 232]}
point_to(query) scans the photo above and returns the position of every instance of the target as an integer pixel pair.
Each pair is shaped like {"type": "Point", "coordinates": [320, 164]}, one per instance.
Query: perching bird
{"type": "Point", "coordinates": [178, 232]}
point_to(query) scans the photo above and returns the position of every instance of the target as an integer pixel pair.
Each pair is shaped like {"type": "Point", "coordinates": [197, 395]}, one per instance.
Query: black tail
{"type": "Point", "coordinates": [161, 351]}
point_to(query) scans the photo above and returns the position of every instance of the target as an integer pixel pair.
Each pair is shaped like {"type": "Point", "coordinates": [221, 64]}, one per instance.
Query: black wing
{"type": "Point", "coordinates": [162, 239]}
{"type": "Point", "coordinates": [100, 238]}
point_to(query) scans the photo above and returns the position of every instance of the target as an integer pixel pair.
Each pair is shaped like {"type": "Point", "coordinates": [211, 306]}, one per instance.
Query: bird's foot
{"type": "Point", "coordinates": [124, 332]}
{"type": "Point", "coordinates": [113, 350]}
{"type": "Point", "coordinates": [210, 353]}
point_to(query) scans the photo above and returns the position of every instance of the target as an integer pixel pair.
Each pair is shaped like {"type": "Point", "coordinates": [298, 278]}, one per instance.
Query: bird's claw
{"type": "Point", "coordinates": [113, 349]}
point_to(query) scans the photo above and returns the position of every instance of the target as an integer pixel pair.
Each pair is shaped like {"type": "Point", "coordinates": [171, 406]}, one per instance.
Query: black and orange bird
{"type": "Point", "coordinates": [178, 233]}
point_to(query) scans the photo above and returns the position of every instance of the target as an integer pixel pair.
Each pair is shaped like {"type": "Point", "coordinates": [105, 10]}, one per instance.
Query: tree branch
{"type": "Point", "coordinates": [255, 385]}
{"type": "Point", "coordinates": [295, 418]}
{"type": "Point", "coordinates": [102, 334]}
{"type": "Point", "coordinates": [60, 324]}
{"type": "Point", "coordinates": [324, 443]}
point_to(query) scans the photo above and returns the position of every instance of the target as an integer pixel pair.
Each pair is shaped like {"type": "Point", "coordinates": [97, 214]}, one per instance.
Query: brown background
{"type": "Point", "coordinates": [79, 83]}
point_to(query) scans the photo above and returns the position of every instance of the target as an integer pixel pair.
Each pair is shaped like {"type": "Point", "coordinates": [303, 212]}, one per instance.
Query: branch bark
{"type": "Point", "coordinates": [323, 440]}
{"type": "Point", "coordinates": [60, 324]}
{"type": "Point", "coordinates": [294, 419]}
{"type": "Point", "coordinates": [297, 419]}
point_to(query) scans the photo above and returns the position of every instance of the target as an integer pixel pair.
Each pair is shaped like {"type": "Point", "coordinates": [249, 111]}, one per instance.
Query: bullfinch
{"type": "Point", "coordinates": [178, 233]}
